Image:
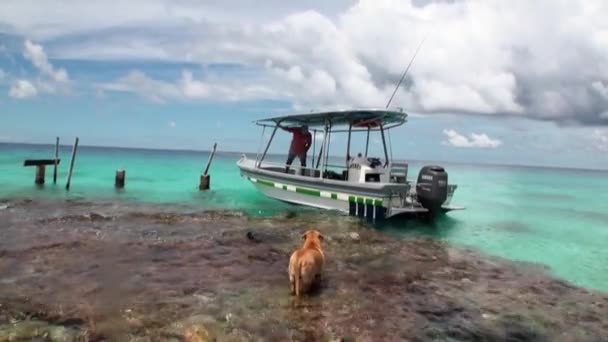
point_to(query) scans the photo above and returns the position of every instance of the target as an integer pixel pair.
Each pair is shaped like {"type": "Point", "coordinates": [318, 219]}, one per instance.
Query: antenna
{"type": "Point", "coordinates": [405, 72]}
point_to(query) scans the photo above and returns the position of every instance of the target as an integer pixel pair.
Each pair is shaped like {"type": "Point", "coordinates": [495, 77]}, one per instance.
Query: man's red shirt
{"type": "Point", "coordinates": [301, 141]}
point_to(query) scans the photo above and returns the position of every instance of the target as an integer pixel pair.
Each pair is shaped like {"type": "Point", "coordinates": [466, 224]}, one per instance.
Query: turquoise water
{"type": "Point", "coordinates": [556, 217]}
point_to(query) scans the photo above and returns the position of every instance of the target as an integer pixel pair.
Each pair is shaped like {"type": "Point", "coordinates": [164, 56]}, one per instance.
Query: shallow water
{"type": "Point", "coordinates": [555, 217]}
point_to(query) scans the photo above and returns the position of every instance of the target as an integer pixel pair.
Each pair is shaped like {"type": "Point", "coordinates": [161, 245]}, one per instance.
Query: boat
{"type": "Point", "coordinates": [364, 186]}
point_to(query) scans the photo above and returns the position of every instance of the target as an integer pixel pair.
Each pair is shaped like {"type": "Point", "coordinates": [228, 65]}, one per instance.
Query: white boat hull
{"type": "Point", "coordinates": [317, 193]}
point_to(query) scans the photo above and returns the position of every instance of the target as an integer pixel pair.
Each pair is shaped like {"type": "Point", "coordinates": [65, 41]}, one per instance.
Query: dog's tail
{"type": "Point", "coordinates": [297, 269]}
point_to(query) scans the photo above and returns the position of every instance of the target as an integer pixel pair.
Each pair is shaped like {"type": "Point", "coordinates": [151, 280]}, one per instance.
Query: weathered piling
{"type": "Point", "coordinates": [40, 165]}
{"type": "Point", "coordinates": [39, 174]}
{"type": "Point", "coordinates": [67, 185]}
{"type": "Point", "coordinates": [56, 159]}
{"type": "Point", "coordinates": [119, 180]}
{"type": "Point", "coordinates": [205, 180]}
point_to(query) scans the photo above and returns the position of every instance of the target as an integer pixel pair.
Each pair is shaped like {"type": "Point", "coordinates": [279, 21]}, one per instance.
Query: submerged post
{"type": "Point", "coordinates": [56, 158]}
{"type": "Point", "coordinates": [67, 185]}
{"type": "Point", "coordinates": [119, 180]}
{"type": "Point", "coordinates": [205, 177]}
{"type": "Point", "coordinates": [39, 174]}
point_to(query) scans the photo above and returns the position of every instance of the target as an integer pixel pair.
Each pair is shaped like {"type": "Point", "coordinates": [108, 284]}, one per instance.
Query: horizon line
{"type": "Point", "coordinates": [470, 163]}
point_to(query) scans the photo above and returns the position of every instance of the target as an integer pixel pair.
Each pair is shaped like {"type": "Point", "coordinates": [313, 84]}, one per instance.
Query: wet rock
{"type": "Point", "coordinates": [97, 217]}
{"type": "Point", "coordinates": [251, 237]}
{"type": "Point", "coordinates": [32, 330]}
{"type": "Point", "coordinates": [197, 334]}
{"type": "Point", "coordinates": [198, 328]}
{"type": "Point", "coordinates": [211, 280]}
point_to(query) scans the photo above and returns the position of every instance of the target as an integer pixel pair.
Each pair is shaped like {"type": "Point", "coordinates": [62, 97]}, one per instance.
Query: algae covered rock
{"type": "Point", "coordinates": [34, 329]}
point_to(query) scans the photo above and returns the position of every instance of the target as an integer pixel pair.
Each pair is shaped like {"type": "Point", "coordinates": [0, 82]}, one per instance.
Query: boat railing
{"type": "Point", "coordinates": [296, 169]}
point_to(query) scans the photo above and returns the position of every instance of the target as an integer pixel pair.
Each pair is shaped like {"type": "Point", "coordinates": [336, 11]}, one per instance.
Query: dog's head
{"type": "Point", "coordinates": [313, 236]}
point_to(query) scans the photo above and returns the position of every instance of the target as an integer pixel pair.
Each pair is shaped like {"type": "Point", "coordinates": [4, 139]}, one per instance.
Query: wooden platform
{"type": "Point", "coordinates": [37, 162]}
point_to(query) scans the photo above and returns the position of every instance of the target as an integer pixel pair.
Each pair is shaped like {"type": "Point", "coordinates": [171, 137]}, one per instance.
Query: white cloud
{"type": "Point", "coordinates": [22, 89]}
{"type": "Point", "coordinates": [187, 88]}
{"type": "Point", "coordinates": [601, 88]}
{"type": "Point", "coordinates": [600, 139]}
{"type": "Point", "coordinates": [35, 54]}
{"type": "Point", "coordinates": [171, 124]}
{"type": "Point", "coordinates": [49, 80]}
{"type": "Point", "coordinates": [538, 59]}
{"type": "Point", "coordinates": [473, 140]}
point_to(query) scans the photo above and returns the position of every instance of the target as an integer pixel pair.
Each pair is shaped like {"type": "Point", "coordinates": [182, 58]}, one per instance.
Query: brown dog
{"type": "Point", "coordinates": [306, 263]}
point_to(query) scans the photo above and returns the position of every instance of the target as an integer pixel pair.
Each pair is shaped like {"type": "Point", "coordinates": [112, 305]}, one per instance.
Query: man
{"type": "Point", "coordinates": [300, 143]}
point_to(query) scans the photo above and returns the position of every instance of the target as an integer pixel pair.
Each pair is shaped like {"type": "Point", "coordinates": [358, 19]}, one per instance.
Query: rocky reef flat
{"type": "Point", "coordinates": [77, 271]}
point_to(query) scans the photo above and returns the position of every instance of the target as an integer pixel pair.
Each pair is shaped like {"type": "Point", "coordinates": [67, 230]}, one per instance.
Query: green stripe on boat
{"type": "Point", "coordinates": [317, 193]}
{"type": "Point", "coordinates": [265, 182]}
{"type": "Point", "coordinates": [309, 191]}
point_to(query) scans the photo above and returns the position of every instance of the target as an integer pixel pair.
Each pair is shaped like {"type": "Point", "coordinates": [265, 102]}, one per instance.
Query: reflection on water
{"type": "Point", "coordinates": [117, 272]}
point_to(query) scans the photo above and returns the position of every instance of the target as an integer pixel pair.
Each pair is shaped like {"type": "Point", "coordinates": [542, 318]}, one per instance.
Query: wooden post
{"type": "Point", "coordinates": [205, 179]}
{"type": "Point", "coordinates": [39, 174]}
{"type": "Point", "coordinates": [119, 180]}
{"type": "Point", "coordinates": [204, 184]}
{"type": "Point", "coordinates": [56, 158]}
{"type": "Point", "coordinates": [67, 185]}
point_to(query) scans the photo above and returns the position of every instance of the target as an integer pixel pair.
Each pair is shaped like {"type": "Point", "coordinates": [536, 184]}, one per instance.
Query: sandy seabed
{"type": "Point", "coordinates": [77, 271]}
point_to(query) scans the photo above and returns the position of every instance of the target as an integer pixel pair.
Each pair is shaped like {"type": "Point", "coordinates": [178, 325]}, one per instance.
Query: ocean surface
{"type": "Point", "coordinates": [555, 217]}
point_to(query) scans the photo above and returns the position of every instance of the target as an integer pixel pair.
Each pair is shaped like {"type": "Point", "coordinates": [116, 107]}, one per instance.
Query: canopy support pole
{"type": "Point", "coordinates": [384, 145]}
{"type": "Point", "coordinates": [327, 149]}
{"type": "Point", "coordinates": [367, 142]}
{"type": "Point", "coordinates": [257, 156]}
{"type": "Point", "coordinates": [322, 150]}
{"type": "Point", "coordinates": [314, 138]}
{"type": "Point", "coordinates": [350, 127]}
{"type": "Point", "coordinates": [268, 145]}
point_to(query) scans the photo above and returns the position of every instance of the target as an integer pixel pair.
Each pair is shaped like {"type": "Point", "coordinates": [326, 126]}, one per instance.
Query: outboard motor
{"type": "Point", "coordinates": [432, 187]}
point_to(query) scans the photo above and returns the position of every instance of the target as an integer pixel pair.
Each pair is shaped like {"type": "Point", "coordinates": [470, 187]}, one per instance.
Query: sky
{"type": "Point", "coordinates": [518, 82]}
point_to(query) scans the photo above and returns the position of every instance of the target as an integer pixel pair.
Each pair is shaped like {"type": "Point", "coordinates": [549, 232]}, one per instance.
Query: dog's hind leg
{"type": "Point", "coordinates": [298, 279]}
{"type": "Point", "coordinates": [292, 284]}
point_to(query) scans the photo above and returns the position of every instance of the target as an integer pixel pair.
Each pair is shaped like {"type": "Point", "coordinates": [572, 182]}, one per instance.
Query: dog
{"type": "Point", "coordinates": [306, 263]}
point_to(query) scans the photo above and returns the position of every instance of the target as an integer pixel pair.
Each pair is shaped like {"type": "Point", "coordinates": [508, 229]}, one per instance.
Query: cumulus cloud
{"type": "Point", "coordinates": [35, 54]}
{"type": "Point", "coordinates": [22, 89]}
{"type": "Point", "coordinates": [537, 59]}
{"type": "Point", "coordinates": [48, 80]}
{"type": "Point", "coordinates": [186, 88]}
{"type": "Point", "coordinates": [599, 138]}
{"type": "Point", "coordinates": [473, 140]}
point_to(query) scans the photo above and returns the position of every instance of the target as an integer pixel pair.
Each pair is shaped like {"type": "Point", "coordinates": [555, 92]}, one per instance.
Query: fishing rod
{"type": "Point", "coordinates": [405, 72]}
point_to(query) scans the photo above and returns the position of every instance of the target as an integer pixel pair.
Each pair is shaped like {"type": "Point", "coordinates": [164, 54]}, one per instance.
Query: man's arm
{"type": "Point", "coordinates": [308, 141]}
{"type": "Point", "coordinates": [288, 129]}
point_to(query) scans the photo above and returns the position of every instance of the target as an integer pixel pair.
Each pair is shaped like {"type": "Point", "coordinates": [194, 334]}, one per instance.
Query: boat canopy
{"type": "Point", "coordinates": [373, 118]}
